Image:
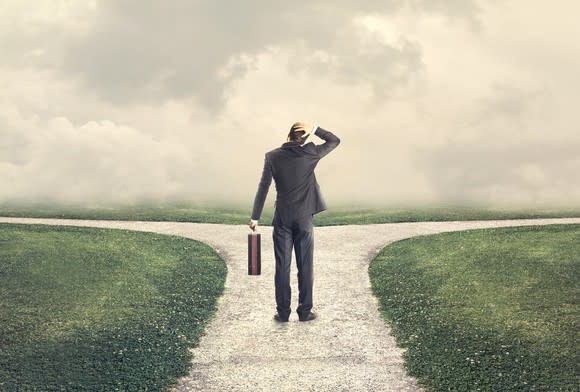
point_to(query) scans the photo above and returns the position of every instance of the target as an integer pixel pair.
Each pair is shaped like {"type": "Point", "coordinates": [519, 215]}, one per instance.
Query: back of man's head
{"type": "Point", "coordinates": [297, 133]}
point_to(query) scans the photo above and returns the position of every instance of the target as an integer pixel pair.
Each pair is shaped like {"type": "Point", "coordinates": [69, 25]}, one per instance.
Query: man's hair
{"type": "Point", "coordinates": [296, 136]}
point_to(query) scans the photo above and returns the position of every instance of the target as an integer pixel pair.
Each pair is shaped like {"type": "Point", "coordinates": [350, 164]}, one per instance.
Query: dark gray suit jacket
{"type": "Point", "coordinates": [292, 167]}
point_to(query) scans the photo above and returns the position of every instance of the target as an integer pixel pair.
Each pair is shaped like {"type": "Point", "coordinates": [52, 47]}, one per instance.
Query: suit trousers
{"type": "Point", "coordinates": [297, 234]}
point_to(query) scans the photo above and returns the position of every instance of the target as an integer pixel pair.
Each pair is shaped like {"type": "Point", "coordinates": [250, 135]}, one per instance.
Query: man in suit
{"type": "Point", "coordinates": [298, 199]}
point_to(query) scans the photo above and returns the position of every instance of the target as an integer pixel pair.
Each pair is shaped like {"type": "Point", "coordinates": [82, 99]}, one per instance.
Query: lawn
{"type": "Point", "coordinates": [214, 212]}
{"type": "Point", "coordinates": [490, 310]}
{"type": "Point", "coordinates": [98, 309]}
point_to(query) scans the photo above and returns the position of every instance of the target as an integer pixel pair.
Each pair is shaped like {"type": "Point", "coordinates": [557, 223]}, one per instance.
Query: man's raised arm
{"type": "Point", "coordinates": [331, 141]}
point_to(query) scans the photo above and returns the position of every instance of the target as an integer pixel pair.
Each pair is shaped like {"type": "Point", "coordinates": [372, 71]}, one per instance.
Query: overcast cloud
{"type": "Point", "coordinates": [434, 100]}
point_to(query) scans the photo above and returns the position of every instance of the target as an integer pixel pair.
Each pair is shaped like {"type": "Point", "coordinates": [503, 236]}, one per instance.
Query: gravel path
{"type": "Point", "coordinates": [348, 348]}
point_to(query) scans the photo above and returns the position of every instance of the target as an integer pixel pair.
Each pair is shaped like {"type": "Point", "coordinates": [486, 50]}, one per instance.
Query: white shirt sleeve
{"type": "Point", "coordinates": [254, 221]}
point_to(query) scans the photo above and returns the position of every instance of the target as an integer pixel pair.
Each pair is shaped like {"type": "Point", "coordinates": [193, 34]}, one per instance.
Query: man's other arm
{"type": "Point", "coordinates": [331, 141]}
{"type": "Point", "coordinates": [262, 192]}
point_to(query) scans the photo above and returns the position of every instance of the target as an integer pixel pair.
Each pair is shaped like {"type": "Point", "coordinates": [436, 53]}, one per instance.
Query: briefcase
{"type": "Point", "coordinates": [254, 253]}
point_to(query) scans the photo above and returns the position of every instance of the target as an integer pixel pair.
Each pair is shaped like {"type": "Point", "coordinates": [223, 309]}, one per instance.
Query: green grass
{"type": "Point", "coordinates": [191, 212]}
{"type": "Point", "coordinates": [490, 310]}
{"type": "Point", "coordinates": [97, 309]}
{"type": "Point", "coordinates": [207, 212]}
{"type": "Point", "coordinates": [348, 215]}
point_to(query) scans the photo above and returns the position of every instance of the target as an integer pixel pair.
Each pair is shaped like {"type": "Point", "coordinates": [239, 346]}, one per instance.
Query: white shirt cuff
{"type": "Point", "coordinates": [254, 221]}
{"type": "Point", "coordinates": [314, 129]}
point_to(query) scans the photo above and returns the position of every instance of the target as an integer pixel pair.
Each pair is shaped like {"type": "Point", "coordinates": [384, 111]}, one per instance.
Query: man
{"type": "Point", "coordinates": [298, 199]}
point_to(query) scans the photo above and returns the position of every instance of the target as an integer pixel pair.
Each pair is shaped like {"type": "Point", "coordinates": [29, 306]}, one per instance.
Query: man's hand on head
{"type": "Point", "coordinates": [301, 126]}
{"type": "Point", "coordinates": [304, 127]}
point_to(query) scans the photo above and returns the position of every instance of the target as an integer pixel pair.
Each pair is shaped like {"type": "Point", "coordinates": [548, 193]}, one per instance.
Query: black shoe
{"type": "Point", "coordinates": [280, 319]}
{"type": "Point", "coordinates": [310, 316]}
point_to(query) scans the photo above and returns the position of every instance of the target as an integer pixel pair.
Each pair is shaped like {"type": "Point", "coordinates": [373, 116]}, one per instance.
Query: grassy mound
{"type": "Point", "coordinates": [96, 309]}
{"type": "Point", "coordinates": [490, 310]}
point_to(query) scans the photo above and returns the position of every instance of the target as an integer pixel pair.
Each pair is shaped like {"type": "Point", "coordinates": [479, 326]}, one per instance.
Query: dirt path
{"type": "Point", "coordinates": [348, 348]}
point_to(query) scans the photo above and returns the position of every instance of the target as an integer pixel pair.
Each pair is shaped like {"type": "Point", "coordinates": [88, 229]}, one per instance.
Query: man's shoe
{"type": "Point", "coordinates": [280, 319]}
{"type": "Point", "coordinates": [310, 316]}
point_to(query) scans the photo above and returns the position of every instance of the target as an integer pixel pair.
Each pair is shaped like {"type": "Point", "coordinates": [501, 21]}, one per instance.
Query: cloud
{"type": "Point", "coordinates": [524, 173]}
{"type": "Point", "coordinates": [131, 51]}
{"type": "Point", "coordinates": [433, 101]}
{"type": "Point", "coordinates": [508, 149]}
{"type": "Point", "coordinates": [102, 161]}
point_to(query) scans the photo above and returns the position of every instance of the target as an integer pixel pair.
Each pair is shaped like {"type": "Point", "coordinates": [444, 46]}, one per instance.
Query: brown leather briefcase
{"type": "Point", "coordinates": [254, 253]}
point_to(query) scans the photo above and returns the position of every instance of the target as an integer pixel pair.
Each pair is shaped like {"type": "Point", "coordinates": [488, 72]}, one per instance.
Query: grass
{"type": "Point", "coordinates": [99, 309]}
{"type": "Point", "coordinates": [207, 212]}
{"type": "Point", "coordinates": [348, 215]}
{"type": "Point", "coordinates": [489, 310]}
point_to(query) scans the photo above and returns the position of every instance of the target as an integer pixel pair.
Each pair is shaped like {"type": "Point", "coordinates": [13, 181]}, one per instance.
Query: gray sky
{"type": "Point", "coordinates": [442, 101]}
